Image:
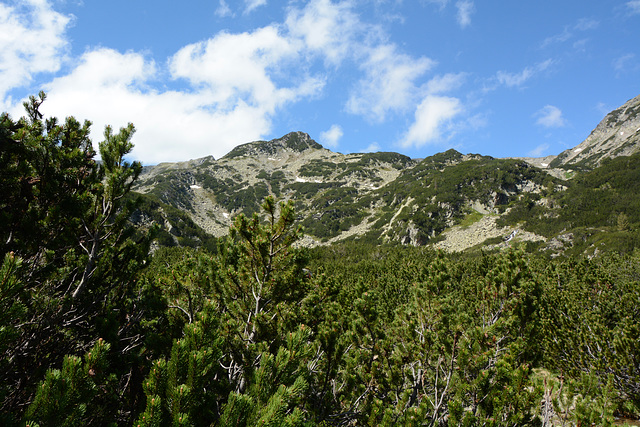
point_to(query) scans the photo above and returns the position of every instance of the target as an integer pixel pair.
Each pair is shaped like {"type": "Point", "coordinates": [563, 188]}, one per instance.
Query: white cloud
{"type": "Point", "coordinates": [223, 9]}
{"type": "Point", "coordinates": [389, 83]}
{"type": "Point", "coordinates": [445, 83]}
{"type": "Point", "coordinates": [331, 137]}
{"type": "Point", "coordinates": [518, 79]}
{"type": "Point", "coordinates": [240, 67]}
{"type": "Point", "coordinates": [326, 28]}
{"type": "Point", "coordinates": [550, 116]}
{"type": "Point", "coordinates": [232, 85]}
{"type": "Point", "coordinates": [539, 151]}
{"type": "Point", "coordinates": [584, 24]}
{"type": "Point", "coordinates": [431, 115]}
{"type": "Point", "coordinates": [108, 87]}
{"type": "Point", "coordinates": [623, 62]}
{"type": "Point", "coordinates": [634, 6]}
{"type": "Point", "coordinates": [371, 148]}
{"type": "Point", "coordinates": [580, 45]}
{"type": "Point", "coordinates": [32, 41]}
{"type": "Point", "coordinates": [514, 79]}
{"type": "Point", "coordinates": [465, 9]}
{"type": "Point", "coordinates": [557, 38]}
{"type": "Point", "coordinates": [252, 5]}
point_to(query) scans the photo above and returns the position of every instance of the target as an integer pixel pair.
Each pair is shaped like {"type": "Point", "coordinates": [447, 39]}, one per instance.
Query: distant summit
{"type": "Point", "coordinates": [618, 134]}
{"type": "Point", "coordinates": [294, 141]}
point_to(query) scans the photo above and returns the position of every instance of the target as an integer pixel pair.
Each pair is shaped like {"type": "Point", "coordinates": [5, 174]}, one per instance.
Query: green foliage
{"type": "Point", "coordinates": [236, 195]}
{"type": "Point", "coordinates": [81, 393]}
{"type": "Point", "coordinates": [65, 218]}
{"type": "Point", "coordinates": [260, 282]}
{"type": "Point", "coordinates": [183, 390]}
{"type": "Point", "coordinates": [258, 331]}
{"type": "Point", "coordinates": [428, 338]}
{"type": "Point", "coordinates": [183, 231]}
{"type": "Point", "coordinates": [241, 355]}
{"type": "Point", "coordinates": [317, 168]}
{"type": "Point", "coordinates": [590, 313]}
{"type": "Point", "coordinates": [600, 206]}
{"type": "Point", "coordinates": [13, 311]}
{"type": "Point", "coordinates": [585, 401]}
{"type": "Point", "coordinates": [171, 190]}
{"type": "Point", "coordinates": [431, 196]}
{"type": "Point", "coordinates": [276, 393]}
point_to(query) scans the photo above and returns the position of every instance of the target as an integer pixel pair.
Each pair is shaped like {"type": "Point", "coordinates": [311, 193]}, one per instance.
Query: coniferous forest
{"type": "Point", "coordinates": [98, 329]}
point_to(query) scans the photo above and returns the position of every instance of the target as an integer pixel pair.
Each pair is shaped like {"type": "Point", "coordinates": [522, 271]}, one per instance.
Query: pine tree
{"type": "Point", "coordinates": [186, 389]}
{"type": "Point", "coordinates": [242, 359]}
{"type": "Point", "coordinates": [81, 393]}
{"type": "Point", "coordinates": [275, 396]}
{"type": "Point", "coordinates": [65, 216]}
{"type": "Point", "coordinates": [260, 287]}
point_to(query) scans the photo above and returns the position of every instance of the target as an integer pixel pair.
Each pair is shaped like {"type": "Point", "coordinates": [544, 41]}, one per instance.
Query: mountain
{"type": "Point", "coordinates": [618, 134]}
{"type": "Point", "coordinates": [449, 200]}
{"type": "Point", "coordinates": [382, 197]}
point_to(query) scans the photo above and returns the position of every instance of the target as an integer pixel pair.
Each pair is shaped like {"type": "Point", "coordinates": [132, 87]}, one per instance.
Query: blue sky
{"type": "Point", "coordinates": [501, 78]}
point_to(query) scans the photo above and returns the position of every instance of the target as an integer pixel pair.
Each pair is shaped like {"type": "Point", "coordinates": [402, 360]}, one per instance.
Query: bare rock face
{"type": "Point", "coordinates": [618, 134]}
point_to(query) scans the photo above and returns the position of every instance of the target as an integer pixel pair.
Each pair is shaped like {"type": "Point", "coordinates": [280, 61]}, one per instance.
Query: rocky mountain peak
{"type": "Point", "coordinates": [618, 134]}
{"type": "Point", "coordinates": [296, 142]}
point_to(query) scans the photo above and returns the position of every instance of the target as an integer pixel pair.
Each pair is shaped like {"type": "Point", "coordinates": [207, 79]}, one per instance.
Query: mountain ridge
{"type": "Point", "coordinates": [379, 197]}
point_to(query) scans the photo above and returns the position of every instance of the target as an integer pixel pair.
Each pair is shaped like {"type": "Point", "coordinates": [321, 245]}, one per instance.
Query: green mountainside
{"type": "Point", "coordinates": [382, 197]}
{"type": "Point", "coordinates": [449, 200]}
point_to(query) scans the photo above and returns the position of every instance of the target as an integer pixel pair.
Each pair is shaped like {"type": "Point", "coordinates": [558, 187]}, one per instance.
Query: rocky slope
{"type": "Point", "coordinates": [618, 134]}
{"type": "Point", "coordinates": [384, 197]}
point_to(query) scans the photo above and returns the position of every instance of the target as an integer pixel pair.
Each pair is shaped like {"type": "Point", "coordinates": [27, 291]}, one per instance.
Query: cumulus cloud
{"type": "Point", "coordinates": [550, 117]}
{"type": "Point", "coordinates": [240, 66]}
{"type": "Point", "coordinates": [389, 83]}
{"type": "Point", "coordinates": [231, 86]}
{"type": "Point", "coordinates": [431, 115]}
{"type": "Point", "coordinates": [108, 87]}
{"type": "Point", "coordinates": [326, 28]}
{"type": "Point", "coordinates": [33, 41]}
{"type": "Point", "coordinates": [331, 138]}
{"type": "Point", "coordinates": [465, 9]}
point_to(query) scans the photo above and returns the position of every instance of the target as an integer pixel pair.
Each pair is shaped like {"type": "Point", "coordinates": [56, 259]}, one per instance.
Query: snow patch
{"type": "Point", "coordinates": [194, 187]}
{"type": "Point", "coordinates": [577, 150]}
{"type": "Point", "coordinates": [621, 133]}
{"type": "Point", "coordinates": [298, 179]}
{"type": "Point", "coordinates": [544, 165]}
{"type": "Point", "coordinates": [272, 158]}
{"type": "Point", "coordinates": [226, 215]}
